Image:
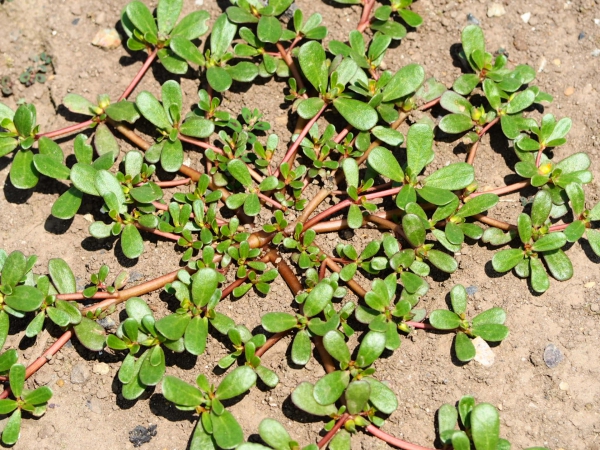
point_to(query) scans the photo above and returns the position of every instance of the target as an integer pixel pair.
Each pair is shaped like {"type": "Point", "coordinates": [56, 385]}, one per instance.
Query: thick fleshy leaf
{"type": "Point", "coordinates": [465, 84]}
{"type": "Point", "coordinates": [24, 119]}
{"type": "Point", "coordinates": [312, 62]}
{"type": "Point", "coordinates": [358, 114]}
{"type": "Point", "coordinates": [331, 387]}
{"type": "Point", "coordinates": [192, 26]}
{"type": "Point", "coordinates": [304, 399]}
{"type": "Point", "coordinates": [123, 111]}
{"type": "Point", "coordinates": [238, 169]}
{"type": "Point", "coordinates": [91, 335]}
{"type": "Point", "coordinates": [452, 177]}
{"type": "Point", "coordinates": [173, 326]}
{"type": "Point", "coordinates": [478, 205]}
{"type": "Point", "coordinates": [7, 145]}
{"type": "Point", "coordinates": [244, 71]}
{"type": "Point", "coordinates": [357, 395]}
{"type": "Point", "coordinates": [25, 298]}
{"type": "Point", "coordinates": [141, 17]}
{"type": "Point", "coordinates": [548, 242]}
{"type": "Point", "coordinates": [485, 426]}
{"type": "Point", "coordinates": [443, 319]}
{"type": "Point", "coordinates": [152, 110]}
{"type": "Point", "coordinates": [419, 143]}
{"type": "Point", "coordinates": [62, 276]}
{"type": "Point", "coordinates": [269, 29]}
{"type": "Point", "coordinates": [197, 127]}
{"type": "Point", "coordinates": [236, 383]}
{"type": "Point", "coordinates": [4, 326]}
{"type": "Point", "coordinates": [317, 299]}
{"type": "Point", "coordinates": [23, 174]}
{"type": "Point", "coordinates": [204, 284]}
{"type": "Point", "coordinates": [521, 101]}
{"type": "Point", "coordinates": [221, 36]}
{"type": "Point", "coordinates": [83, 177]}
{"type": "Point", "coordinates": [490, 316]}
{"type": "Point", "coordinates": [78, 104]}
{"type": "Point", "coordinates": [12, 429]}
{"type": "Point", "coordinates": [7, 406]}
{"type": "Point", "coordinates": [49, 166]}
{"type": "Point", "coordinates": [406, 81]}
{"type": "Point", "coordinates": [382, 397]}
{"type": "Point", "coordinates": [472, 40]}
{"type": "Point", "coordinates": [370, 349]}
{"type": "Point", "coordinates": [442, 261]}
{"type": "Point", "coordinates": [464, 348]}
{"type": "Point", "coordinates": [491, 332]}
{"type": "Point", "coordinates": [14, 268]}
{"type": "Point", "coordinates": [218, 78]}
{"type": "Point", "coordinates": [414, 229]}
{"type": "Point", "coordinates": [456, 123]}
{"type": "Point", "coordinates": [310, 107]}
{"type": "Point", "coordinates": [301, 348]}
{"type": "Point", "coordinates": [539, 279]}
{"type": "Point", "coordinates": [385, 163]}
{"type": "Point", "coordinates": [132, 243]}
{"type": "Point", "coordinates": [180, 393]}
{"type": "Point", "coordinates": [276, 322]}
{"type": "Point", "coordinates": [335, 344]}
{"type": "Point", "coordinates": [458, 298]}
{"type": "Point", "coordinates": [559, 264]}
{"type": "Point", "coordinates": [195, 335]}
{"type": "Point", "coordinates": [167, 14]}
{"type": "Point", "coordinates": [540, 210]}
{"type": "Point", "coordinates": [505, 260]}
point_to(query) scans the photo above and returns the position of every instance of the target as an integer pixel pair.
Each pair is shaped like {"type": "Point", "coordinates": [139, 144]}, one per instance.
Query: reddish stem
{"type": "Point", "coordinates": [78, 296]}
{"type": "Point", "coordinates": [275, 203]}
{"type": "Point", "coordinates": [67, 130]}
{"type": "Point", "coordinates": [430, 104]}
{"type": "Point", "coordinates": [420, 325]}
{"type": "Point", "coordinates": [294, 147]}
{"type": "Point", "coordinates": [139, 75]}
{"type": "Point", "coordinates": [271, 342]}
{"type": "Point", "coordinates": [339, 424]}
{"type": "Point", "coordinates": [504, 189]}
{"type": "Point", "coordinates": [164, 234]}
{"type": "Point", "coordinates": [200, 144]}
{"type": "Point", "coordinates": [473, 151]}
{"type": "Point", "coordinates": [558, 227]}
{"type": "Point", "coordinates": [290, 63]}
{"type": "Point", "coordinates": [364, 18]}
{"type": "Point", "coordinates": [393, 440]}
{"type": "Point", "coordinates": [173, 183]}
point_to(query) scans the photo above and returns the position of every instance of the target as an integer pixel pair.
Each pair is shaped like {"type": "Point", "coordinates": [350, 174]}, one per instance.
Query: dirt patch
{"type": "Point", "coordinates": [556, 407]}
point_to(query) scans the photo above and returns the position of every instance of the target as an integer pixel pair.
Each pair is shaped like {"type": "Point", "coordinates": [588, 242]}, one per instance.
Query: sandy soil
{"type": "Point", "coordinates": [557, 408]}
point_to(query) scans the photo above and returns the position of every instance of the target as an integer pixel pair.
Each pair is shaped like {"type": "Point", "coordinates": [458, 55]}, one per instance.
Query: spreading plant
{"type": "Point", "coordinates": [218, 216]}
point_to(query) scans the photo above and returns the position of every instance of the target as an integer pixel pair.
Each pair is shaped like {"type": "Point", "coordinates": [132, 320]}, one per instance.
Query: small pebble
{"type": "Point", "coordinates": [471, 290]}
{"type": "Point", "coordinates": [101, 368]}
{"type": "Point", "coordinates": [107, 323]}
{"type": "Point", "coordinates": [108, 38]}
{"type": "Point", "coordinates": [589, 285]}
{"type": "Point", "coordinates": [496, 10]}
{"type": "Point", "coordinates": [75, 21]}
{"type": "Point", "coordinates": [595, 307]}
{"type": "Point", "coordinates": [556, 62]}
{"type": "Point", "coordinates": [595, 52]}
{"type": "Point", "coordinates": [142, 435]}
{"type": "Point", "coordinates": [525, 17]}
{"type": "Point", "coordinates": [483, 353]}
{"type": "Point", "coordinates": [80, 373]}
{"type": "Point", "coordinates": [563, 386]}
{"type": "Point", "coordinates": [60, 382]}
{"type": "Point", "coordinates": [569, 91]}
{"type": "Point", "coordinates": [472, 19]}
{"type": "Point", "coordinates": [552, 356]}
{"type": "Point", "coordinates": [581, 35]}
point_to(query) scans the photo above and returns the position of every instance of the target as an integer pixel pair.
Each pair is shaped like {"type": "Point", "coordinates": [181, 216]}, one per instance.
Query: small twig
{"type": "Point", "coordinates": [173, 183]}
{"type": "Point", "coordinates": [495, 223]}
{"type": "Point", "coordinates": [67, 130]}
{"type": "Point", "coordinates": [201, 144]}
{"type": "Point", "coordinates": [393, 440]}
{"type": "Point", "coordinates": [504, 189]}
{"type": "Point", "coordinates": [139, 75]}
{"type": "Point", "coordinates": [473, 150]}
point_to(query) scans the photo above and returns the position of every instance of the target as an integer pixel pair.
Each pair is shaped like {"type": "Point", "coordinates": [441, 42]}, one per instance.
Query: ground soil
{"type": "Point", "coordinates": [554, 407]}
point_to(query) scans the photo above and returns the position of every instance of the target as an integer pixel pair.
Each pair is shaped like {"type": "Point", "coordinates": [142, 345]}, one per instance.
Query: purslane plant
{"type": "Point", "coordinates": [382, 174]}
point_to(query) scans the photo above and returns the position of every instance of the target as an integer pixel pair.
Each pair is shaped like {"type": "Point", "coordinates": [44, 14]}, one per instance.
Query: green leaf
{"type": "Point", "coordinates": [7, 145]}
{"type": "Point", "coordinates": [458, 298]}
{"type": "Point", "coordinates": [358, 114]}
{"type": "Point", "coordinates": [269, 29]}
{"type": "Point", "coordinates": [310, 107]}
{"type": "Point", "coordinates": [49, 166]}
{"type": "Point", "coordinates": [472, 40]}
{"type": "Point", "coordinates": [301, 348]}
{"type": "Point", "coordinates": [465, 84]}
{"type": "Point", "coordinates": [23, 174]}
{"type": "Point", "coordinates": [442, 261]}
{"type": "Point", "coordinates": [304, 399]}
{"type": "Point", "coordinates": [12, 429]}
{"type": "Point", "coordinates": [238, 169]}
{"type": "Point", "coordinates": [491, 316]}
{"type": "Point", "coordinates": [218, 78]}
{"type": "Point", "coordinates": [7, 406]}
{"type": "Point", "coordinates": [78, 104]}
{"type": "Point", "coordinates": [276, 322]}
{"type": "Point", "coordinates": [141, 17]}
{"type": "Point", "coordinates": [197, 127]}
{"type": "Point", "coordinates": [388, 135]}
{"type": "Point", "coordinates": [167, 14]}
{"type": "Point", "coordinates": [4, 326]}
{"type": "Point", "coordinates": [7, 359]}
{"type": "Point", "coordinates": [540, 210]}
{"type": "Point", "coordinates": [521, 101]}
{"type": "Point", "coordinates": [443, 319]}
{"type": "Point", "coordinates": [464, 348]}
{"type": "Point", "coordinates": [192, 26]}
{"type": "Point", "coordinates": [317, 299]}
{"type": "Point", "coordinates": [62, 276]}
{"type": "Point", "coordinates": [38, 396]}
{"type": "Point", "coordinates": [419, 144]}
{"type": "Point", "coordinates": [357, 395]}
{"type": "Point", "coordinates": [221, 36]}
{"type": "Point", "coordinates": [25, 298]}
{"type": "Point", "coordinates": [370, 349]}
{"type": "Point", "coordinates": [331, 387]}
{"type": "Point", "coordinates": [195, 335]}
{"type": "Point", "coordinates": [244, 71]}
{"type": "Point", "coordinates": [123, 111]}
{"type": "Point", "coordinates": [355, 217]}
{"type": "Point", "coordinates": [477, 205]}
{"type": "Point", "coordinates": [16, 378]}
{"type": "Point", "coordinates": [90, 334]}
{"type": "Point", "coordinates": [485, 426]}
{"type": "Point", "coordinates": [414, 229]}
{"type": "Point", "coordinates": [236, 383]}
{"type": "Point", "coordinates": [227, 432]}
{"type": "Point", "coordinates": [382, 397]}
{"type": "Point", "coordinates": [274, 434]}
{"type": "Point", "coordinates": [132, 243]}
{"type": "Point", "coordinates": [312, 62]}
{"type": "Point", "coordinates": [505, 260]}
{"type": "Point", "coordinates": [24, 120]}
{"type": "Point", "coordinates": [551, 241]}
{"type": "Point", "coordinates": [539, 278]}
{"type": "Point", "coordinates": [491, 332]}
{"type": "Point", "coordinates": [456, 123]}
{"type": "Point", "coordinates": [173, 326]}
{"type": "Point", "coordinates": [335, 344]}
{"type": "Point", "coordinates": [14, 268]}
{"type": "Point", "coordinates": [204, 284]}
{"type": "Point", "coordinates": [452, 177]}
{"type": "Point", "coordinates": [181, 393]}
{"type": "Point", "coordinates": [152, 110]}
{"type": "Point", "coordinates": [559, 264]}
{"type": "Point", "coordinates": [384, 162]}
{"type": "Point", "coordinates": [406, 81]}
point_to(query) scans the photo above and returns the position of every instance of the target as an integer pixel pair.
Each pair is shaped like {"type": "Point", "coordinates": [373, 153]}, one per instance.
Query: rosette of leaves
{"type": "Point", "coordinates": [255, 47]}
{"type": "Point", "coordinates": [278, 227]}
{"type": "Point", "coordinates": [251, 123]}
{"type": "Point", "coordinates": [17, 131]}
{"type": "Point", "coordinates": [249, 199]}
{"type": "Point", "coordinates": [246, 344]}
{"type": "Point", "coordinates": [309, 29]}
{"type": "Point", "coordinates": [209, 109]}
{"type": "Point", "coordinates": [489, 325]}
{"type": "Point", "coordinates": [122, 111]}
{"type": "Point", "coordinates": [139, 332]}
{"type": "Point", "coordinates": [478, 428]}
{"type": "Point", "coordinates": [385, 18]}
{"type": "Point", "coordinates": [385, 315]}
{"type": "Point", "coordinates": [366, 260]}
{"type": "Point", "coordinates": [308, 323]}
{"type": "Point", "coordinates": [538, 243]}
{"type": "Point", "coordinates": [35, 402]}
{"type": "Point", "coordinates": [98, 282]}
{"type": "Point", "coordinates": [363, 395]}
{"type": "Point", "coordinates": [464, 116]}
{"type": "Point", "coordinates": [199, 295]}
{"type": "Point", "coordinates": [172, 39]}
{"type": "Point", "coordinates": [369, 59]}
{"type": "Point", "coordinates": [276, 437]}
{"type": "Point", "coordinates": [167, 118]}
{"type": "Point", "coordinates": [307, 255]}
{"type": "Point", "coordinates": [354, 190]}
{"type": "Point", "coordinates": [217, 427]}
{"type": "Point", "coordinates": [248, 267]}
{"type": "Point", "coordinates": [581, 224]}
{"type": "Point", "coordinates": [294, 179]}
{"type": "Point", "coordinates": [316, 147]}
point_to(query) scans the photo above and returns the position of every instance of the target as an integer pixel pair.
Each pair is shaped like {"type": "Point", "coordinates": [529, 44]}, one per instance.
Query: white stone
{"type": "Point", "coordinates": [496, 10]}
{"type": "Point", "coordinates": [525, 17]}
{"type": "Point", "coordinates": [483, 353]}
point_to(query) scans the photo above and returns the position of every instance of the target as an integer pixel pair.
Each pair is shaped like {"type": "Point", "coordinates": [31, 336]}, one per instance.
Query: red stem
{"type": "Point", "coordinates": [139, 75]}
{"type": "Point", "coordinates": [420, 325]}
{"type": "Point", "coordinates": [364, 18]}
{"type": "Point", "coordinates": [340, 422]}
{"type": "Point", "coordinates": [67, 130]}
{"type": "Point", "coordinates": [504, 189]}
{"type": "Point", "coordinates": [275, 203]}
{"type": "Point", "coordinates": [473, 151]}
{"type": "Point", "coordinates": [173, 183]}
{"type": "Point", "coordinates": [393, 440]}
{"type": "Point", "coordinates": [290, 63]}
{"type": "Point", "coordinates": [164, 234]}
{"type": "Point", "coordinates": [292, 150]}
{"type": "Point", "coordinates": [201, 144]}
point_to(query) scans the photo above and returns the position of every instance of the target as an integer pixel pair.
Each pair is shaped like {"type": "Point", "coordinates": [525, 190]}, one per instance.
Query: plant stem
{"type": "Point", "coordinates": [78, 296]}
{"type": "Point", "coordinates": [504, 189]}
{"type": "Point", "coordinates": [67, 130]}
{"type": "Point", "coordinates": [430, 104]}
{"type": "Point", "coordinates": [164, 234]}
{"type": "Point", "coordinates": [294, 147]}
{"type": "Point", "coordinates": [139, 75]}
{"type": "Point", "coordinates": [275, 203]}
{"type": "Point", "coordinates": [339, 424]}
{"type": "Point", "coordinates": [473, 150]}
{"type": "Point", "coordinates": [270, 342]}
{"type": "Point", "coordinates": [419, 325]}
{"type": "Point", "coordinates": [173, 183]}
{"type": "Point", "coordinates": [365, 20]}
{"type": "Point", "coordinates": [356, 288]}
{"type": "Point", "coordinates": [495, 223]}
{"type": "Point", "coordinates": [558, 227]}
{"type": "Point", "coordinates": [393, 440]}
{"type": "Point", "coordinates": [163, 207]}
{"type": "Point", "coordinates": [201, 144]}
{"type": "Point", "coordinates": [287, 57]}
